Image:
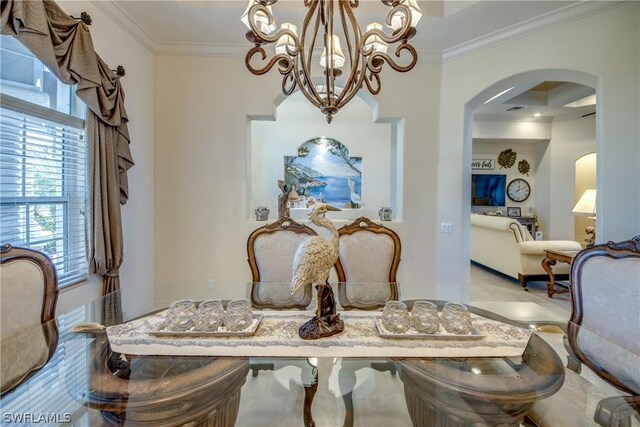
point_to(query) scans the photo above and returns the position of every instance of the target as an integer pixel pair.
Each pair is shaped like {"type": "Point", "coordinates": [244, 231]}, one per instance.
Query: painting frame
{"type": "Point", "coordinates": [324, 171]}
{"type": "Point", "coordinates": [514, 212]}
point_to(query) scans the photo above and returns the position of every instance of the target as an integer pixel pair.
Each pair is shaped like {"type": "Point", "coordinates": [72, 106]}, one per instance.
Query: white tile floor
{"type": "Point", "coordinates": [276, 398]}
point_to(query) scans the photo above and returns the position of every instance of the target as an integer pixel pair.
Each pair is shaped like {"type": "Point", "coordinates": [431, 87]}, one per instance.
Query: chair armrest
{"type": "Point", "coordinates": [613, 411]}
{"type": "Point", "coordinates": [537, 247]}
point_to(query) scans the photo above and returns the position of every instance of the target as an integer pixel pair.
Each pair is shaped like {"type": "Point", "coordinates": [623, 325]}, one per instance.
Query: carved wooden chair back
{"type": "Point", "coordinates": [367, 265]}
{"type": "Point", "coordinates": [270, 251]}
{"type": "Point", "coordinates": [28, 296]}
{"type": "Point", "coordinates": [605, 291]}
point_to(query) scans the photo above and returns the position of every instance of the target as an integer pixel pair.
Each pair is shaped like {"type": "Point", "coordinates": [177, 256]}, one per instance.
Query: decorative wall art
{"type": "Point", "coordinates": [524, 167]}
{"type": "Point", "coordinates": [483, 164]}
{"type": "Point", "coordinates": [507, 158]}
{"type": "Point", "coordinates": [323, 171]}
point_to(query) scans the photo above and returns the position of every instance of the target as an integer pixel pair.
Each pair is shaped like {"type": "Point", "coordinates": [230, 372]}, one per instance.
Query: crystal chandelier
{"type": "Point", "coordinates": [324, 23]}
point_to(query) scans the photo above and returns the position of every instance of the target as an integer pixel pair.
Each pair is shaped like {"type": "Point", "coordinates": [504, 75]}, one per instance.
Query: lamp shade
{"type": "Point", "coordinates": [338, 58]}
{"type": "Point", "coordinates": [587, 204]}
{"type": "Point", "coordinates": [416, 13]}
{"type": "Point", "coordinates": [261, 19]}
{"type": "Point", "coordinates": [286, 40]}
{"type": "Point", "coordinates": [375, 42]}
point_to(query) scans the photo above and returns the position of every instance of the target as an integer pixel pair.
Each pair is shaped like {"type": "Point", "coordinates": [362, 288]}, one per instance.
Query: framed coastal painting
{"type": "Point", "coordinates": [324, 171]}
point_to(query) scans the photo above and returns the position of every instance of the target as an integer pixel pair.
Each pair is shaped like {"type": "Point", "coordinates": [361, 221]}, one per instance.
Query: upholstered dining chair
{"type": "Point", "coordinates": [603, 333]}
{"type": "Point", "coordinates": [367, 265]}
{"type": "Point", "coordinates": [28, 296]}
{"type": "Point", "coordinates": [270, 251]}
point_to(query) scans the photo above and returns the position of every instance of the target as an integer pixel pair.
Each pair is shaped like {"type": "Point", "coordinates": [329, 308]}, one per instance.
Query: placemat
{"type": "Point", "coordinates": [277, 336]}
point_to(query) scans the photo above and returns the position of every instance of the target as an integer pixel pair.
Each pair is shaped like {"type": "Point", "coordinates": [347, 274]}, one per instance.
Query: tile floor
{"type": "Point", "coordinates": [275, 398]}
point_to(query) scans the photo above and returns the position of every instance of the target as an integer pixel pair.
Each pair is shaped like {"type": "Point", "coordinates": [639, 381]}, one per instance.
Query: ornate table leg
{"type": "Point", "coordinates": [547, 263]}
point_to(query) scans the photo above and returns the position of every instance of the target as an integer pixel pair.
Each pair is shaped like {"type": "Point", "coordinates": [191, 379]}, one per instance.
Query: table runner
{"type": "Point", "coordinates": [277, 336]}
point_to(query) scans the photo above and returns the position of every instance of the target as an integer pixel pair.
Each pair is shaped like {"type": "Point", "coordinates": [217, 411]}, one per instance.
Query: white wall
{"type": "Point", "coordinates": [297, 121]}
{"type": "Point", "coordinates": [570, 140]}
{"type": "Point", "coordinates": [605, 48]}
{"type": "Point", "coordinates": [202, 156]}
{"type": "Point", "coordinates": [116, 47]}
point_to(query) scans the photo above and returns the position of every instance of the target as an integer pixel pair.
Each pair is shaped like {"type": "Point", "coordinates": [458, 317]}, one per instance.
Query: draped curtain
{"type": "Point", "coordinates": [65, 46]}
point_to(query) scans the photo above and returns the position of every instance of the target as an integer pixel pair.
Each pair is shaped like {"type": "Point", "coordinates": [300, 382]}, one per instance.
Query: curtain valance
{"type": "Point", "coordinates": [65, 46]}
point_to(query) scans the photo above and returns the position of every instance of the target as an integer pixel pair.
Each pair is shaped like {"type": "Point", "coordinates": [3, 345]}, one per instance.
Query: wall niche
{"type": "Point", "coordinates": [326, 161]}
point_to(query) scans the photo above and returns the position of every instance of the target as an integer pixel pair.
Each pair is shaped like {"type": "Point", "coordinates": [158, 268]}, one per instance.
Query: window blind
{"type": "Point", "coordinates": [43, 184]}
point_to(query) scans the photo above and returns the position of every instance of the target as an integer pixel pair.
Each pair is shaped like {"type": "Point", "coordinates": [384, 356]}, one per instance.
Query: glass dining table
{"type": "Point", "coordinates": [86, 383]}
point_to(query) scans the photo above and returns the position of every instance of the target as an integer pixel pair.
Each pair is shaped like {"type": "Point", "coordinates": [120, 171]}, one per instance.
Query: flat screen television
{"type": "Point", "coordinates": [488, 189]}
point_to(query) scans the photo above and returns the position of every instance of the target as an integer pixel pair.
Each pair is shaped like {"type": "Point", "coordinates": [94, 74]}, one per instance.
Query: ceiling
{"type": "Point", "coordinates": [445, 25]}
{"type": "Point", "coordinates": [540, 101]}
{"type": "Point", "coordinates": [448, 29]}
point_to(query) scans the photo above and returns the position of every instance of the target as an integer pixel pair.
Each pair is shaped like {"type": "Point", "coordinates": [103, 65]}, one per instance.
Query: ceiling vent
{"type": "Point", "coordinates": [516, 108]}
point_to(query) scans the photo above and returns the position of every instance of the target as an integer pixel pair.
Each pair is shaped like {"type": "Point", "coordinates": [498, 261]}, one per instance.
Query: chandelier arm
{"type": "Point", "coordinates": [308, 90]}
{"type": "Point", "coordinates": [398, 35]}
{"type": "Point", "coordinates": [353, 85]}
{"type": "Point", "coordinates": [304, 64]}
{"type": "Point", "coordinates": [289, 78]}
{"type": "Point", "coordinates": [260, 36]}
{"type": "Point", "coordinates": [343, 7]}
{"type": "Point", "coordinates": [329, 61]}
{"type": "Point", "coordinates": [374, 90]}
{"type": "Point", "coordinates": [376, 68]}
{"type": "Point", "coordinates": [283, 61]}
{"type": "Point", "coordinates": [354, 82]}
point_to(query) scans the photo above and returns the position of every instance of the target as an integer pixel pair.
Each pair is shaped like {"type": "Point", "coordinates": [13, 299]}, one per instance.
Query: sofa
{"type": "Point", "coordinates": [505, 245]}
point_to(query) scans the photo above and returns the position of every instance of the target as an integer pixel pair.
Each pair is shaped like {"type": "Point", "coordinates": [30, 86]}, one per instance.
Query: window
{"type": "Point", "coordinates": [42, 163]}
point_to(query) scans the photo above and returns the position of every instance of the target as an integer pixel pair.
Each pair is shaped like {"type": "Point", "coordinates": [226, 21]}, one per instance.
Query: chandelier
{"type": "Point", "coordinates": [324, 23]}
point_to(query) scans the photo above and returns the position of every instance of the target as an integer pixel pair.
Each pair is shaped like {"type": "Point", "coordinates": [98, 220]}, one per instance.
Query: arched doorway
{"type": "Point", "coordinates": [551, 167]}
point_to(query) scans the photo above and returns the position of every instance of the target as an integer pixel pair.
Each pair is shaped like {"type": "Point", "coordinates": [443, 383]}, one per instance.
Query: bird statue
{"type": "Point", "coordinates": [312, 263]}
{"type": "Point", "coordinates": [356, 200]}
{"type": "Point", "coordinates": [283, 199]}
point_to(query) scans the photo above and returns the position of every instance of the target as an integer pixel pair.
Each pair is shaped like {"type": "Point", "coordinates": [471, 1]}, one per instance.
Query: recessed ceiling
{"type": "Point", "coordinates": [540, 101]}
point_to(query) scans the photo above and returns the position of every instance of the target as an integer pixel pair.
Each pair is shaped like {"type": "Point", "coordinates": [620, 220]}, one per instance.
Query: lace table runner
{"type": "Point", "coordinates": [277, 336]}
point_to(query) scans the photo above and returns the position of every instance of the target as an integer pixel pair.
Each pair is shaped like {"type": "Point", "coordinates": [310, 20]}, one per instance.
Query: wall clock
{"type": "Point", "coordinates": [518, 190]}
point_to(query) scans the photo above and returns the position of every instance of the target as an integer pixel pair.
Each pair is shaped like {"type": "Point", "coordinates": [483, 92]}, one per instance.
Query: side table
{"type": "Point", "coordinates": [551, 257]}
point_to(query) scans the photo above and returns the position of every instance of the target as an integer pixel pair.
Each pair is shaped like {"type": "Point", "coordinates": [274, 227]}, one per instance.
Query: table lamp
{"type": "Point", "coordinates": [587, 206]}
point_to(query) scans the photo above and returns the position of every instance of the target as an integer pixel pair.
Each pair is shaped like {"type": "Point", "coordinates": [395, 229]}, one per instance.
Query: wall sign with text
{"type": "Point", "coordinates": [486, 164]}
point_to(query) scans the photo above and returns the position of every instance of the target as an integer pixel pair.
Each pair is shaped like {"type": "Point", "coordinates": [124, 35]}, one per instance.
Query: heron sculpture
{"type": "Point", "coordinates": [356, 199]}
{"type": "Point", "coordinates": [313, 261]}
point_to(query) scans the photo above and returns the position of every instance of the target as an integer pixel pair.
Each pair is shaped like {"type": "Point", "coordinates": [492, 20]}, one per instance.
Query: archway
{"type": "Point", "coordinates": [549, 197]}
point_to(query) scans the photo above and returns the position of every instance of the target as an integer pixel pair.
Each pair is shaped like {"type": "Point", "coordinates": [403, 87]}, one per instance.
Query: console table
{"type": "Point", "coordinates": [551, 258]}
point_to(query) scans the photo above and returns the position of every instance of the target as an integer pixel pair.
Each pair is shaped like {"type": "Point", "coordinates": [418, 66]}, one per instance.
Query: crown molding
{"type": "Point", "coordinates": [560, 16]}
{"type": "Point", "coordinates": [127, 23]}
{"type": "Point", "coordinates": [201, 49]}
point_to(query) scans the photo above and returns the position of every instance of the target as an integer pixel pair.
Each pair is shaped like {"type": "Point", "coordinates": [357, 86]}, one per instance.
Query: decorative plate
{"type": "Point", "coordinates": [222, 332]}
{"type": "Point", "coordinates": [413, 334]}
